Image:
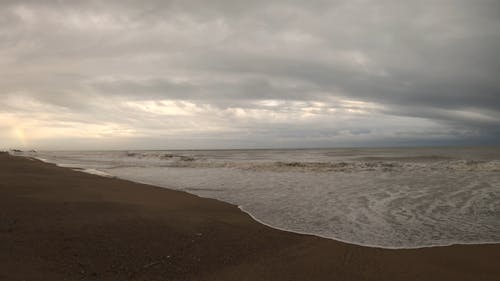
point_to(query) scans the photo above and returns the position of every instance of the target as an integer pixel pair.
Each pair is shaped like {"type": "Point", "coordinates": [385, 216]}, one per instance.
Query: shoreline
{"type": "Point", "coordinates": [104, 174]}
{"type": "Point", "coordinates": [58, 224]}
{"type": "Point", "coordinates": [357, 244]}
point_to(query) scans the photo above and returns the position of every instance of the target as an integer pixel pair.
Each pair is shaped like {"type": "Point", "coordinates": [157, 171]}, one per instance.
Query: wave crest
{"type": "Point", "coordinates": [378, 164]}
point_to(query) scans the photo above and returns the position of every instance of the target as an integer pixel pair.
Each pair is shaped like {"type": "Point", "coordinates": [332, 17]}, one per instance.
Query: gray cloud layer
{"type": "Point", "coordinates": [162, 74]}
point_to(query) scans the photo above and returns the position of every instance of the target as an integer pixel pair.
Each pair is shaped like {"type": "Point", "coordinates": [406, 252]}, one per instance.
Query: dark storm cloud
{"type": "Point", "coordinates": [284, 73]}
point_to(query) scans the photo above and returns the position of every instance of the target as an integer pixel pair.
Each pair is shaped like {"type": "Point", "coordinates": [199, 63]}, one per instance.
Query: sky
{"type": "Point", "coordinates": [201, 74]}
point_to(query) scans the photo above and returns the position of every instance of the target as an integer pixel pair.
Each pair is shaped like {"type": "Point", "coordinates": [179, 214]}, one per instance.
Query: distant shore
{"type": "Point", "coordinates": [60, 224]}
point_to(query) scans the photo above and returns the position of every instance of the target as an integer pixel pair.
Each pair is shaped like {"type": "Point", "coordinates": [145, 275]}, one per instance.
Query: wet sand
{"type": "Point", "coordinates": [60, 224]}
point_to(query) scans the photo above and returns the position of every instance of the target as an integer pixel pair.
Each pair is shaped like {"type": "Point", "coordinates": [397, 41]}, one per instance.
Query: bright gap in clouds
{"type": "Point", "coordinates": [342, 121]}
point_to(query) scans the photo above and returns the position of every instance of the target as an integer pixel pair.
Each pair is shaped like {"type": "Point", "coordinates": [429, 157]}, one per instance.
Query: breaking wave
{"type": "Point", "coordinates": [381, 164]}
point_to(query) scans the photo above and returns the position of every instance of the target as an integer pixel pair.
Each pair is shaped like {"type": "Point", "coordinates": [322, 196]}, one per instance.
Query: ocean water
{"type": "Point", "coordinates": [390, 198]}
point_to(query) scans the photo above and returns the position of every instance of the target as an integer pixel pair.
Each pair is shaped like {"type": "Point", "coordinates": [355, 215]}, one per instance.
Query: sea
{"type": "Point", "coordinates": [380, 197]}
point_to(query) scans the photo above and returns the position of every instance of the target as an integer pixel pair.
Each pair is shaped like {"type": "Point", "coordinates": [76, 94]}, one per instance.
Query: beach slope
{"type": "Point", "coordinates": [60, 224]}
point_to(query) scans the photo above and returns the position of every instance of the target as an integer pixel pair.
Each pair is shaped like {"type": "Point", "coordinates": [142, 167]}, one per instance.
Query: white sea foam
{"type": "Point", "coordinates": [97, 172]}
{"type": "Point", "coordinates": [392, 198]}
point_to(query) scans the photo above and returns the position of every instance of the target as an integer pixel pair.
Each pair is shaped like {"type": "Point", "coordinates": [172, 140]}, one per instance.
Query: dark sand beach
{"type": "Point", "coordinates": [60, 224]}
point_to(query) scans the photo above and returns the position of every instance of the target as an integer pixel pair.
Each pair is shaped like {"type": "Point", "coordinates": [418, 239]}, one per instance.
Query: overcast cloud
{"type": "Point", "coordinates": [235, 74]}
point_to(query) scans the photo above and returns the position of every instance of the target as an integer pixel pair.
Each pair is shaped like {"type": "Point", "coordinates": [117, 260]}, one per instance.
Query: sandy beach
{"type": "Point", "coordinates": [60, 224]}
